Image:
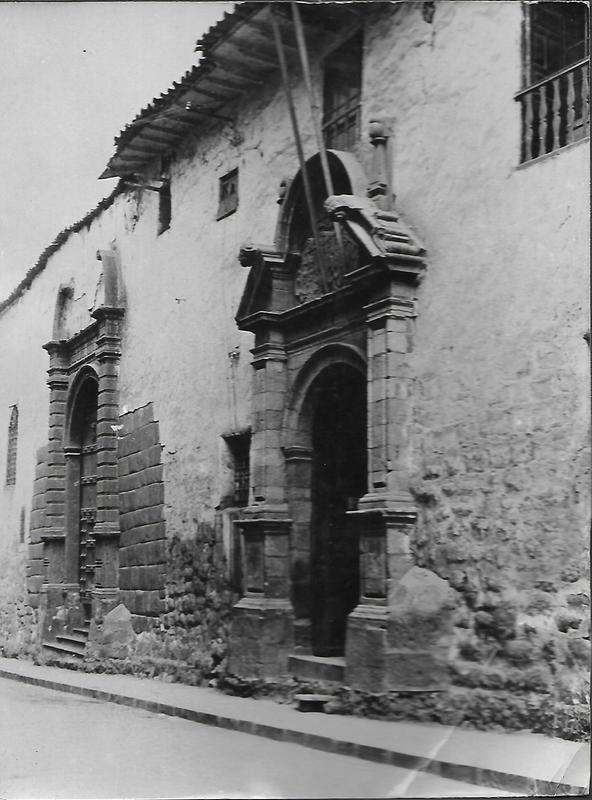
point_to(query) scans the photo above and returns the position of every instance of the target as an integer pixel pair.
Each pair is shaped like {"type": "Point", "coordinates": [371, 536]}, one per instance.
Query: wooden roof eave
{"type": "Point", "coordinates": [241, 59]}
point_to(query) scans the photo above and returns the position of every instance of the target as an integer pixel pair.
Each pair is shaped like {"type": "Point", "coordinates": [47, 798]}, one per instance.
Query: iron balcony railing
{"type": "Point", "coordinates": [555, 111]}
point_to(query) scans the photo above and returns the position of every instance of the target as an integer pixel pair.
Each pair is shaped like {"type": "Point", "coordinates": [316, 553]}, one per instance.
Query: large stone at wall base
{"type": "Point", "coordinates": [114, 636]}
{"type": "Point", "coordinates": [419, 631]}
{"type": "Point", "coordinates": [261, 638]}
{"type": "Point", "coordinates": [402, 646]}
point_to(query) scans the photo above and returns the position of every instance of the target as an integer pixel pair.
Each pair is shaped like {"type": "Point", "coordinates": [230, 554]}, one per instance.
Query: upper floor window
{"type": "Point", "coordinates": [11, 448]}
{"type": "Point", "coordinates": [228, 194]}
{"type": "Point", "coordinates": [164, 208]}
{"type": "Point", "coordinates": [555, 100]}
{"type": "Point", "coordinates": [164, 199]}
{"type": "Point", "coordinates": [342, 91]}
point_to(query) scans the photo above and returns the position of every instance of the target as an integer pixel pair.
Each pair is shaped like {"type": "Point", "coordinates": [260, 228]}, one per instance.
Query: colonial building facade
{"type": "Point", "coordinates": [305, 400]}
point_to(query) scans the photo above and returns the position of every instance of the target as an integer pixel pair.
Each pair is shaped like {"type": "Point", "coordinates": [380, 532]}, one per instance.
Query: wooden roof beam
{"type": "Point", "coordinates": [220, 98]}
{"type": "Point", "coordinates": [135, 147]}
{"type": "Point", "coordinates": [265, 31]}
{"type": "Point", "coordinates": [263, 61]}
{"type": "Point", "coordinates": [150, 137]}
{"type": "Point", "coordinates": [234, 70]}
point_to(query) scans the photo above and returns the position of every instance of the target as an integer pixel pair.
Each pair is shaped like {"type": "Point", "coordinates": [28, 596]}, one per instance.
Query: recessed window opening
{"type": "Point", "coordinates": [164, 208]}
{"type": "Point", "coordinates": [342, 92]}
{"type": "Point", "coordinates": [11, 448]}
{"type": "Point", "coordinates": [239, 445]}
{"type": "Point", "coordinates": [228, 194]}
{"type": "Point", "coordinates": [164, 197]}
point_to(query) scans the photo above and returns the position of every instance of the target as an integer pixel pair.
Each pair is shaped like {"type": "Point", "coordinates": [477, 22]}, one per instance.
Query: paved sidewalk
{"type": "Point", "coordinates": [525, 763]}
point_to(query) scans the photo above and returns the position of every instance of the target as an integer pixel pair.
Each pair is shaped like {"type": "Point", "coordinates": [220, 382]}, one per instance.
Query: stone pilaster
{"type": "Point", "coordinates": [72, 543]}
{"type": "Point", "coordinates": [106, 529]}
{"type": "Point", "coordinates": [262, 626]}
{"type": "Point", "coordinates": [298, 487]}
{"type": "Point", "coordinates": [386, 515]}
{"type": "Point", "coordinates": [261, 637]}
{"type": "Point", "coordinates": [53, 533]}
{"type": "Point", "coordinates": [389, 336]}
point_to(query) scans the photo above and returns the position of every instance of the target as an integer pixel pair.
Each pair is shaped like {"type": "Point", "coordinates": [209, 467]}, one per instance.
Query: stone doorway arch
{"type": "Point", "coordinates": [338, 481]}
{"type": "Point", "coordinates": [81, 487]}
{"type": "Point", "coordinates": [326, 475]}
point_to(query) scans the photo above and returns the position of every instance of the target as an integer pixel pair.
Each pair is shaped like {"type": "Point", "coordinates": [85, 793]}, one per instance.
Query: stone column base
{"type": "Point", "coordinates": [365, 648]}
{"type": "Point", "coordinates": [261, 637]}
{"type": "Point", "coordinates": [104, 601]}
{"type": "Point", "coordinates": [402, 646]}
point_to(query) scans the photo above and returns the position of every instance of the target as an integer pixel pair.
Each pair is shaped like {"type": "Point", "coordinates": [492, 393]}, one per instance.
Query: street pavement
{"type": "Point", "coordinates": [57, 745]}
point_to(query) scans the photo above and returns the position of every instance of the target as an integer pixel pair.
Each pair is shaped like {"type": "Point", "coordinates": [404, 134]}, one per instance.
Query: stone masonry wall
{"type": "Point", "coordinates": [35, 569]}
{"type": "Point", "coordinates": [22, 575]}
{"type": "Point", "coordinates": [142, 551]}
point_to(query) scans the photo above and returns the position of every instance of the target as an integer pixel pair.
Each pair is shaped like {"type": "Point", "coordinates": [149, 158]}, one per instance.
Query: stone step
{"type": "Point", "coordinates": [84, 631]}
{"type": "Point", "coordinates": [63, 649]}
{"type": "Point", "coordinates": [75, 641]}
{"type": "Point", "coordinates": [317, 668]}
{"type": "Point", "coordinates": [312, 702]}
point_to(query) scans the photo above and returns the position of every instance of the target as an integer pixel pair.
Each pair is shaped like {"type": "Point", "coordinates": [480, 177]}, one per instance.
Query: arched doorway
{"type": "Point", "coordinates": [338, 480]}
{"type": "Point", "coordinates": [83, 485]}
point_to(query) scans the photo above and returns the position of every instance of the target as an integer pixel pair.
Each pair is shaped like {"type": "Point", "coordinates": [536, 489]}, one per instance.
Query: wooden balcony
{"type": "Point", "coordinates": [555, 111]}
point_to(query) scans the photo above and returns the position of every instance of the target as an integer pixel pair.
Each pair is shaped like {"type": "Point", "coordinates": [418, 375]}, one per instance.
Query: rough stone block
{"type": "Point", "coordinates": [149, 578]}
{"type": "Point", "coordinates": [114, 637]}
{"type": "Point", "coordinates": [154, 455]}
{"type": "Point", "coordinates": [420, 610]}
{"type": "Point", "coordinates": [419, 669]}
{"type": "Point", "coordinates": [125, 577]}
{"type": "Point", "coordinates": [148, 435]}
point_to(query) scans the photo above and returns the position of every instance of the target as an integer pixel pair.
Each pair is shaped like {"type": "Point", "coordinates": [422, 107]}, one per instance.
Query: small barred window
{"type": "Point", "coordinates": [228, 194]}
{"type": "Point", "coordinates": [11, 449]}
{"type": "Point", "coordinates": [342, 95]}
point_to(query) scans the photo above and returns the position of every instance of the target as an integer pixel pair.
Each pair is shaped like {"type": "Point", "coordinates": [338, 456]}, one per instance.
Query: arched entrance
{"type": "Point", "coordinates": [338, 480]}
{"type": "Point", "coordinates": [83, 485]}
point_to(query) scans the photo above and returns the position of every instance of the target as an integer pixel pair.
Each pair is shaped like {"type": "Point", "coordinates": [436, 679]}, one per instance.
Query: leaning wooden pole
{"type": "Point", "coordinates": [303, 171]}
{"type": "Point", "coordinates": [314, 107]}
{"type": "Point", "coordinates": [315, 111]}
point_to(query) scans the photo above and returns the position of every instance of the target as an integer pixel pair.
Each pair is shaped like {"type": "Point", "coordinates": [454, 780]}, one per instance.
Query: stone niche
{"type": "Point", "coordinates": [332, 309]}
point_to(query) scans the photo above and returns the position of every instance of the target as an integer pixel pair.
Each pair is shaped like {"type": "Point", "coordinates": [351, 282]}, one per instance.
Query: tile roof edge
{"type": "Point", "coordinates": [57, 243]}
{"type": "Point", "coordinates": [213, 36]}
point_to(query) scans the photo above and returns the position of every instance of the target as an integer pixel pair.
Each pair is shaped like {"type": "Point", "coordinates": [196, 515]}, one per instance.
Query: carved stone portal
{"type": "Point", "coordinates": [337, 259]}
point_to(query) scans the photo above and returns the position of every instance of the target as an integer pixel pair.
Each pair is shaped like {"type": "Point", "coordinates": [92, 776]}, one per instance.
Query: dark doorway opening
{"type": "Point", "coordinates": [84, 437]}
{"type": "Point", "coordinates": [338, 481]}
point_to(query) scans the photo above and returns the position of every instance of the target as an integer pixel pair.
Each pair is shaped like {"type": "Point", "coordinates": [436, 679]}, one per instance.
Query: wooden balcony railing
{"type": "Point", "coordinates": [555, 111]}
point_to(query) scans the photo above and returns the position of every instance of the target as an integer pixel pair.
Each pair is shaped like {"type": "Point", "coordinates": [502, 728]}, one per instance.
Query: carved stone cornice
{"type": "Point", "coordinates": [298, 452]}
{"type": "Point", "coordinates": [381, 232]}
{"type": "Point", "coordinates": [108, 312]}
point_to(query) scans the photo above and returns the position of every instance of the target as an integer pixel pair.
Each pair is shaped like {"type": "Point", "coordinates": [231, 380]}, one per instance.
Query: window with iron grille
{"type": "Point", "coordinates": [555, 100]}
{"type": "Point", "coordinates": [239, 445]}
{"type": "Point", "coordinates": [342, 91]}
{"type": "Point", "coordinates": [11, 449]}
{"type": "Point", "coordinates": [164, 208]}
{"type": "Point", "coordinates": [228, 194]}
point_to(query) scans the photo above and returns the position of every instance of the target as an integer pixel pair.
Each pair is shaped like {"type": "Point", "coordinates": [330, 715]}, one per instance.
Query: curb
{"type": "Point", "coordinates": [490, 778]}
